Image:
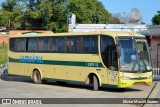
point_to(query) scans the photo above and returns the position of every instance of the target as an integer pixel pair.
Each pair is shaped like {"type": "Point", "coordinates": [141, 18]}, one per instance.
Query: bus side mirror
{"type": "Point", "coordinates": [118, 50]}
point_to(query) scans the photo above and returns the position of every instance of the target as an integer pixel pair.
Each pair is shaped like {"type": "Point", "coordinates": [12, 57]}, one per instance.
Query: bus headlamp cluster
{"type": "Point", "coordinates": [128, 78]}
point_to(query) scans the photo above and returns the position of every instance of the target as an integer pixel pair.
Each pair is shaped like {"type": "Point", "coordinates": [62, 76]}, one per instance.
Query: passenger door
{"type": "Point", "coordinates": [109, 58]}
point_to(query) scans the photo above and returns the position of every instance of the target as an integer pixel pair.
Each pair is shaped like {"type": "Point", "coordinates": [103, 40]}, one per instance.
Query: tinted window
{"type": "Point", "coordinates": [12, 44]}
{"type": "Point", "coordinates": [18, 44]}
{"type": "Point", "coordinates": [86, 44]}
{"type": "Point", "coordinates": [73, 44]}
{"type": "Point", "coordinates": [32, 44]}
{"type": "Point", "coordinates": [43, 44]}
{"type": "Point", "coordinates": [58, 44]}
{"type": "Point", "coordinates": [21, 44]}
{"type": "Point", "coordinates": [108, 52]}
{"type": "Point", "coordinates": [54, 44]}
{"type": "Point", "coordinates": [90, 44]}
{"type": "Point", "coordinates": [94, 44]}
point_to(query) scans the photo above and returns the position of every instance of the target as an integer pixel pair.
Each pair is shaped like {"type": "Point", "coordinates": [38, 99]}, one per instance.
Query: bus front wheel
{"type": "Point", "coordinates": [95, 83]}
{"type": "Point", "coordinates": [36, 76]}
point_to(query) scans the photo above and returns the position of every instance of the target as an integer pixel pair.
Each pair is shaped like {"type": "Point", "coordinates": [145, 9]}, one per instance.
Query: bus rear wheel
{"type": "Point", "coordinates": [95, 83]}
{"type": "Point", "coordinates": [36, 76]}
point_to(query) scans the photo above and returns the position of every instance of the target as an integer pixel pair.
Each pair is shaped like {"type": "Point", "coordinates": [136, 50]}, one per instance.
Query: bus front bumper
{"type": "Point", "coordinates": [129, 83]}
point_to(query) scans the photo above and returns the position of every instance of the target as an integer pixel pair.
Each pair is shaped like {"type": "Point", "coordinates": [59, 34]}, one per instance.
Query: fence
{"type": "Point", "coordinates": [156, 74]}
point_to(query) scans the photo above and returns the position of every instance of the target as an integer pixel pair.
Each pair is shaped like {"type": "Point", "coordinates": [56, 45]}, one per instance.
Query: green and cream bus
{"type": "Point", "coordinates": [109, 59]}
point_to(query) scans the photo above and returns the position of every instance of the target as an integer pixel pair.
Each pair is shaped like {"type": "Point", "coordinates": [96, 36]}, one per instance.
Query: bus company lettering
{"type": "Point", "coordinates": [31, 59]}
{"type": "Point", "coordinates": [92, 64]}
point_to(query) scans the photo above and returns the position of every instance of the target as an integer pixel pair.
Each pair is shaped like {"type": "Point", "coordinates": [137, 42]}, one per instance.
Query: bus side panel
{"type": "Point", "coordinates": [67, 67]}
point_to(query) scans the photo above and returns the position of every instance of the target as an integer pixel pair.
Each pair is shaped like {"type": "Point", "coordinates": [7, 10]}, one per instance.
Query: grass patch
{"type": "Point", "coordinates": [3, 53]}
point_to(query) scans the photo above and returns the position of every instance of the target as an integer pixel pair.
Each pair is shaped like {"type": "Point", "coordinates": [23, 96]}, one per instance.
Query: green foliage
{"type": "Point", "coordinates": [11, 14]}
{"type": "Point", "coordinates": [3, 53]}
{"type": "Point", "coordinates": [9, 5]}
{"type": "Point", "coordinates": [89, 11]}
{"type": "Point", "coordinates": [156, 19]}
{"type": "Point", "coordinates": [51, 14]}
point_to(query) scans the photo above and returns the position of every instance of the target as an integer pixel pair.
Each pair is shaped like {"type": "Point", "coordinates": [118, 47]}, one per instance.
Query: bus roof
{"type": "Point", "coordinates": [111, 33]}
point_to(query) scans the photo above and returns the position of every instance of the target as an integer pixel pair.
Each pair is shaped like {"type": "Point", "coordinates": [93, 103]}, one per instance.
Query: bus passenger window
{"type": "Point", "coordinates": [90, 44]}
{"type": "Point", "coordinates": [21, 45]}
{"type": "Point", "coordinates": [78, 44]}
{"type": "Point", "coordinates": [40, 44]}
{"type": "Point", "coordinates": [32, 44]}
{"type": "Point", "coordinates": [61, 44]}
{"type": "Point", "coordinates": [54, 44]}
{"type": "Point", "coordinates": [43, 44]}
{"type": "Point", "coordinates": [73, 44]}
{"type": "Point", "coordinates": [46, 44]}
{"type": "Point", "coordinates": [86, 44]}
{"type": "Point", "coordinates": [69, 44]}
{"type": "Point", "coordinates": [12, 44]}
{"type": "Point", "coordinates": [94, 44]}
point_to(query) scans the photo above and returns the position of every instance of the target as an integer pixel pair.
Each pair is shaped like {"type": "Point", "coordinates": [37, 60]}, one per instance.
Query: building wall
{"type": "Point", "coordinates": [154, 52]}
{"type": "Point", "coordinates": [154, 42]}
{"type": "Point", "coordinates": [4, 39]}
{"type": "Point", "coordinates": [15, 32]}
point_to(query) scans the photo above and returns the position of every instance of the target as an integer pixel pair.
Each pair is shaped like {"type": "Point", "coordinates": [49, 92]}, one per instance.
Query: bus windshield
{"type": "Point", "coordinates": [135, 55]}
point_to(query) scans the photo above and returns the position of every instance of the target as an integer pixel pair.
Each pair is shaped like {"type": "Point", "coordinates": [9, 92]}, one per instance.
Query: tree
{"type": "Point", "coordinates": [114, 20]}
{"type": "Point", "coordinates": [10, 14]}
{"type": "Point", "coordinates": [9, 5]}
{"type": "Point", "coordinates": [34, 14]}
{"type": "Point", "coordinates": [50, 14]}
{"type": "Point", "coordinates": [156, 19]}
{"type": "Point", "coordinates": [45, 14]}
{"type": "Point", "coordinates": [88, 11]}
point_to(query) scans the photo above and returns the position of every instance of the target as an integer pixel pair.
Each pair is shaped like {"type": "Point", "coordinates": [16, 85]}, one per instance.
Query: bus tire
{"type": "Point", "coordinates": [95, 83]}
{"type": "Point", "coordinates": [36, 76]}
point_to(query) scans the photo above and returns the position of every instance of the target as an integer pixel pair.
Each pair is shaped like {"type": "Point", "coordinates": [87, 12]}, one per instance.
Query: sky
{"type": "Point", "coordinates": [147, 8]}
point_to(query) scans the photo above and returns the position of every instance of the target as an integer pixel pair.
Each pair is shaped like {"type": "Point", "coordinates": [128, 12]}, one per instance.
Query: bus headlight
{"type": "Point", "coordinates": [125, 78]}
